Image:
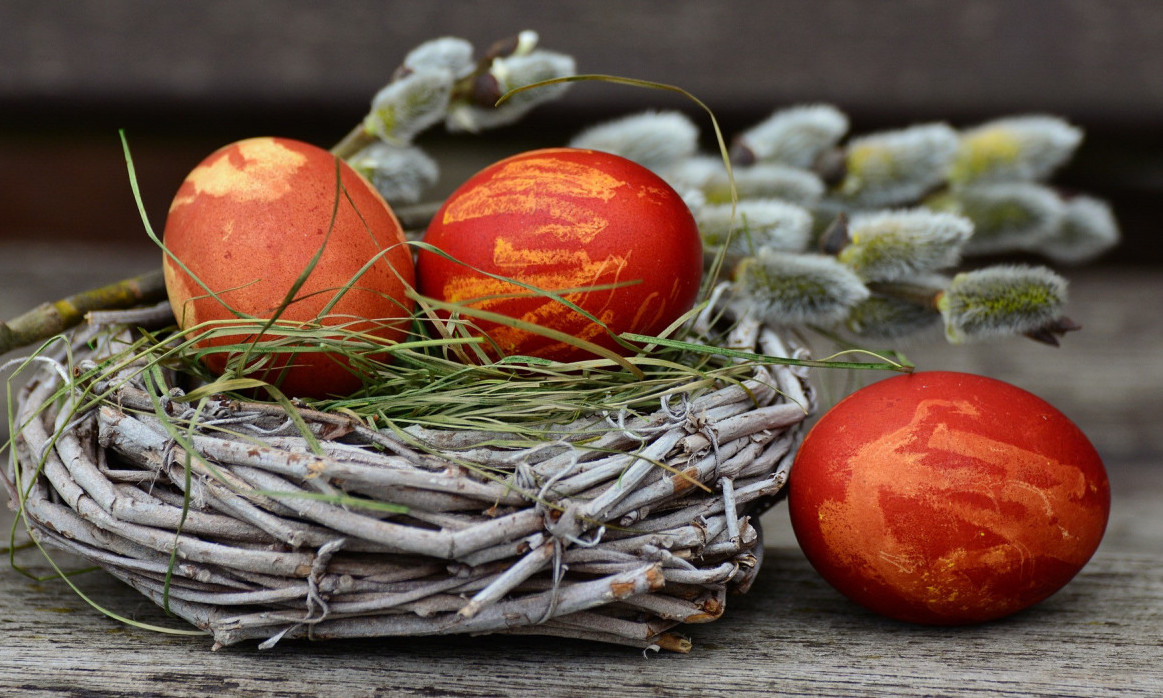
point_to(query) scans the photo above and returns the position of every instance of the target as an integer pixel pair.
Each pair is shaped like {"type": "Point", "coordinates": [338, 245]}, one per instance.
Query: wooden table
{"type": "Point", "coordinates": [1101, 635]}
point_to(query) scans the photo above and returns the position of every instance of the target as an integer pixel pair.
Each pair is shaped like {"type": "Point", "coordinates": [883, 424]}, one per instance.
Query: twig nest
{"type": "Point", "coordinates": [251, 522]}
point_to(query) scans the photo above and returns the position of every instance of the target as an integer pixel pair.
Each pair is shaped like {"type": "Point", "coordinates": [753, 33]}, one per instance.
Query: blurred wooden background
{"type": "Point", "coordinates": [185, 78]}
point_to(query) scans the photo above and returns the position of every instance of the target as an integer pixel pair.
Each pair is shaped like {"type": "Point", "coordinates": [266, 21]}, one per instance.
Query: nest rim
{"type": "Point", "coordinates": [611, 548]}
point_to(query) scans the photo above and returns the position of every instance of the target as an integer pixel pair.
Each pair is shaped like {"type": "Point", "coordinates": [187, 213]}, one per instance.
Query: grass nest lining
{"type": "Point", "coordinates": [623, 507]}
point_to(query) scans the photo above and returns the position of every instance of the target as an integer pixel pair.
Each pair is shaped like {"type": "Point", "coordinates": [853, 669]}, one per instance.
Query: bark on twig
{"type": "Point", "coordinates": [50, 319]}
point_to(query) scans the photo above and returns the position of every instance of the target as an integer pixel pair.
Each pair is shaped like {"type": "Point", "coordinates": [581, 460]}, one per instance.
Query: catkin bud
{"type": "Point", "coordinates": [401, 174]}
{"type": "Point", "coordinates": [524, 69]}
{"type": "Point", "coordinates": [897, 167]}
{"type": "Point", "coordinates": [1001, 301]}
{"type": "Point", "coordinates": [1015, 148]}
{"type": "Point", "coordinates": [896, 244]}
{"type": "Point", "coordinates": [699, 173]}
{"type": "Point", "coordinates": [884, 317]}
{"type": "Point", "coordinates": [708, 174]}
{"type": "Point", "coordinates": [1006, 217]}
{"type": "Point", "coordinates": [510, 73]}
{"type": "Point", "coordinates": [757, 224]}
{"type": "Point", "coordinates": [794, 137]}
{"type": "Point", "coordinates": [770, 181]}
{"type": "Point", "coordinates": [785, 288]}
{"type": "Point", "coordinates": [1087, 230]}
{"type": "Point", "coordinates": [407, 106]}
{"type": "Point", "coordinates": [446, 53]}
{"type": "Point", "coordinates": [652, 139]}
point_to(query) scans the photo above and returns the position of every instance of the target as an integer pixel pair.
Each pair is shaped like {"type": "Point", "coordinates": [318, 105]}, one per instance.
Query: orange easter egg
{"type": "Point", "coordinates": [248, 222]}
{"type": "Point", "coordinates": [947, 498]}
{"type": "Point", "coordinates": [566, 221]}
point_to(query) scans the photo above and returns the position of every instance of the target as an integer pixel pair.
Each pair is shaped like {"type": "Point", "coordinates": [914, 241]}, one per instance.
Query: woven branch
{"type": "Point", "coordinates": [615, 528]}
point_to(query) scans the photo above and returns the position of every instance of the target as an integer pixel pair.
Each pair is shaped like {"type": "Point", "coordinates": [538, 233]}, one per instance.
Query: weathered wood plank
{"type": "Point", "coordinates": [792, 635]}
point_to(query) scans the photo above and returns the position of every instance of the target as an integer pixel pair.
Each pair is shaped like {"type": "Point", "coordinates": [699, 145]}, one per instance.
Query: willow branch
{"type": "Point", "coordinates": [49, 319]}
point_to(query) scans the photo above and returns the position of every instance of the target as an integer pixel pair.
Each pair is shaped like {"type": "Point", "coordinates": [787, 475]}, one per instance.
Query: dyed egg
{"type": "Point", "coordinates": [250, 220]}
{"type": "Point", "coordinates": [947, 498]}
{"type": "Point", "coordinates": [565, 220]}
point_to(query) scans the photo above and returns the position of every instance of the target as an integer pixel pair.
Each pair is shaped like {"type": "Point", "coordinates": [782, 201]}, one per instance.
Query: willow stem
{"type": "Point", "coordinates": [49, 319]}
{"type": "Point", "coordinates": [356, 140]}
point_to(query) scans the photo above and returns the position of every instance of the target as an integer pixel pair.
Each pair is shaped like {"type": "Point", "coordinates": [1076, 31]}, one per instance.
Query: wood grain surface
{"type": "Point", "coordinates": [791, 635]}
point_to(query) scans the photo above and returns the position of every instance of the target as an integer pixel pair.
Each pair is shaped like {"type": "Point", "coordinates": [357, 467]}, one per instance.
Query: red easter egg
{"type": "Point", "coordinates": [565, 220]}
{"type": "Point", "coordinates": [249, 220]}
{"type": "Point", "coordinates": [947, 498]}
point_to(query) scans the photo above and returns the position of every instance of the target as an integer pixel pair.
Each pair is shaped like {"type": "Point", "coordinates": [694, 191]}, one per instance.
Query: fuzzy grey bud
{"type": "Point", "coordinates": [446, 53]}
{"type": "Point", "coordinates": [407, 106]}
{"type": "Point", "coordinates": [1001, 301]}
{"type": "Point", "coordinates": [1087, 230]}
{"type": "Point", "coordinates": [795, 137]}
{"type": "Point", "coordinates": [756, 224]}
{"type": "Point", "coordinates": [897, 167]}
{"type": "Point", "coordinates": [699, 173]}
{"type": "Point", "coordinates": [401, 174]}
{"type": "Point", "coordinates": [1006, 217]}
{"type": "Point", "coordinates": [896, 244]}
{"type": "Point", "coordinates": [765, 181]}
{"type": "Point", "coordinates": [509, 74]}
{"type": "Point", "coordinates": [1015, 148]}
{"type": "Point", "coordinates": [784, 288]}
{"type": "Point", "coordinates": [771, 181]}
{"type": "Point", "coordinates": [887, 318]}
{"type": "Point", "coordinates": [653, 139]}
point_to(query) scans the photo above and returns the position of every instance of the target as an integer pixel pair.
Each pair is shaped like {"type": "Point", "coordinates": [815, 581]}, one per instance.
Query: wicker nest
{"type": "Point", "coordinates": [614, 528]}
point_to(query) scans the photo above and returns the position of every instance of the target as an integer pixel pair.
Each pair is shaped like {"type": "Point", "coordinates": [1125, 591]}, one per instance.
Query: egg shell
{"type": "Point", "coordinates": [561, 220]}
{"type": "Point", "coordinates": [247, 222]}
{"type": "Point", "coordinates": [947, 498]}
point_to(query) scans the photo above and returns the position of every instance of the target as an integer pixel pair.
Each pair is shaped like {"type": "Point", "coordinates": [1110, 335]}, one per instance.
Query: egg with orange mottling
{"type": "Point", "coordinates": [245, 226]}
{"type": "Point", "coordinates": [947, 498]}
{"type": "Point", "coordinates": [601, 232]}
